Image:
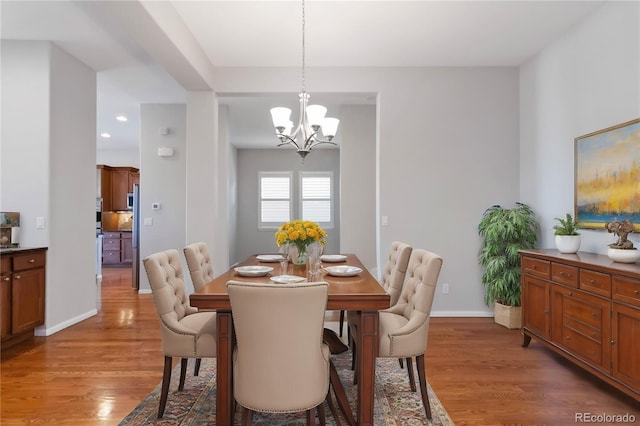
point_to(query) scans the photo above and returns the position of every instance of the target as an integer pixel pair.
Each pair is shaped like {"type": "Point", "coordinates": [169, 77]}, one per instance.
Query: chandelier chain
{"type": "Point", "coordinates": [303, 49]}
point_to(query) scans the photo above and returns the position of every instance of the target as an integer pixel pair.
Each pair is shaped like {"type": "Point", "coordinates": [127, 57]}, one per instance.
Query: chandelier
{"type": "Point", "coordinates": [313, 127]}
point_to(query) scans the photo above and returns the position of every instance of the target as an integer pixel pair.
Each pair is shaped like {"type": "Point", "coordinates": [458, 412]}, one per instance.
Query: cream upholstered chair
{"type": "Point", "coordinates": [404, 328]}
{"type": "Point", "coordinates": [392, 281]}
{"type": "Point", "coordinates": [280, 364]}
{"type": "Point", "coordinates": [392, 276]}
{"type": "Point", "coordinates": [199, 264]}
{"type": "Point", "coordinates": [186, 333]}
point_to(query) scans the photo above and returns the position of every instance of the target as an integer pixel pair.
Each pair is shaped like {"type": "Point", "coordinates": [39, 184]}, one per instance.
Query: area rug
{"type": "Point", "coordinates": [394, 405]}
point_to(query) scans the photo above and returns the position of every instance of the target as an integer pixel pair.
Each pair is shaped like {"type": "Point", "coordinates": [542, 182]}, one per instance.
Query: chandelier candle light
{"type": "Point", "coordinates": [312, 118]}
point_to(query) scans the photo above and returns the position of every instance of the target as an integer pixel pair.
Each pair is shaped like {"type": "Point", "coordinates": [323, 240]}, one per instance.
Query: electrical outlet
{"type": "Point", "coordinates": [445, 288]}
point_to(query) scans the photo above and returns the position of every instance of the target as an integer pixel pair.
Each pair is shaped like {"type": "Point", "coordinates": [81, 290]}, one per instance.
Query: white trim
{"type": "Point", "coordinates": [144, 291]}
{"type": "Point", "coordinates": [48, 331]}
{"type": "Point", "coordinates": [462, 314]}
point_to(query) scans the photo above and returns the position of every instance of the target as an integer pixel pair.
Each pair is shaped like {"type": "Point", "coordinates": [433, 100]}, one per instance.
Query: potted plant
{"type": "Point", "coordinates": [567, 235]}
{"type": "Point", "coordinates": [622, 250]}
{"type": "Point", "coordinates": [504, 232]}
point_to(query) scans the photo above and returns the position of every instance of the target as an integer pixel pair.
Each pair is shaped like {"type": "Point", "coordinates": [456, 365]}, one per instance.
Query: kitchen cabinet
{"type": "Point", "coordinates": [116, 248]}
{"type": "Point", "coordinates": [5, 297]}
{"type": "Point", "coordinates": [119, 189]}
{"type": "Point", "coordinates": [586, 308]}
{"type": "Point", "coordinates": [116, 183]}
{"type": "Point", "coordinates": [127, 248]}
{"type": "Point", "coordinates": [22, 294]}
{"type": "Point", "coordinates": [105, 188]}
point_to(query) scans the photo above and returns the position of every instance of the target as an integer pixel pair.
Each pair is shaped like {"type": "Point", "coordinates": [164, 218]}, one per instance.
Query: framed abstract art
{"type": "Point", "coordinates": [607, 176]}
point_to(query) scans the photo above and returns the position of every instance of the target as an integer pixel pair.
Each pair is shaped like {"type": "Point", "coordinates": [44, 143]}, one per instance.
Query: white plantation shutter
{"type": "Point", "coordinates": [316, 197]}
{"type": "Point", "coordinates": [275, 199]}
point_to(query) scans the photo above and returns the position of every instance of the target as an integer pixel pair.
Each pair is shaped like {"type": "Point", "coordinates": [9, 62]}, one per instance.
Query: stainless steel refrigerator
{"type": "Point", "coordinates": [135, 238]}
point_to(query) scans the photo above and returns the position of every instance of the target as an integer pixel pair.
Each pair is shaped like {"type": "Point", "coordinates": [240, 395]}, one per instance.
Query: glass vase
{"type": "Point", "coordinates": [298, 255]}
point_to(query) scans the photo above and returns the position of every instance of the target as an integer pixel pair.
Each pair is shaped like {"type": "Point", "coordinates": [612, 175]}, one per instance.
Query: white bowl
{"type": "Point", "coordinates": [624, 256]}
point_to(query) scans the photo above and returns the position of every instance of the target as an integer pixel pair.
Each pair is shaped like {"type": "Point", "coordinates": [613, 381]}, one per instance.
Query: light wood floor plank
{"type": "Point", "coordinates": [97, 371]}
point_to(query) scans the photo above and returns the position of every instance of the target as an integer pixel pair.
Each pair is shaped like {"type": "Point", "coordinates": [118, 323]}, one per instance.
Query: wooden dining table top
{"type": "Point", "coordinates": [359, 292]}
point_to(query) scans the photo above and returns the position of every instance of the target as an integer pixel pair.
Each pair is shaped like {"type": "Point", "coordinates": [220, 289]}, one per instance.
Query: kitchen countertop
{"type": "Point", "coordinates": [20, 249]}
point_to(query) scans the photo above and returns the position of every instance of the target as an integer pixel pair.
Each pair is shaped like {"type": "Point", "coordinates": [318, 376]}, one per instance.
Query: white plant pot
{"type": "Point", "coordinates": [568, 243]}
{"type": "Point", "coordinates": [624, 256]}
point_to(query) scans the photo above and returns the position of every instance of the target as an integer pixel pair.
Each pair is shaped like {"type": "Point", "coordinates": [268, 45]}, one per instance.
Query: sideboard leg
{"type": "Point", "coordinates": [526, 339]}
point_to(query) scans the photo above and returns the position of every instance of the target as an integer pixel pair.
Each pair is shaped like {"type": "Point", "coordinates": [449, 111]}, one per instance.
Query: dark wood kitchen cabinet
{"type": "Point", "coordinates": [586, 308]}
{"type": "Point", "coordinates": [116, 183]}
{"type": "Point", "coordinates": [116, 249]}
{"type": "Point", "coordinates": [22, 294]}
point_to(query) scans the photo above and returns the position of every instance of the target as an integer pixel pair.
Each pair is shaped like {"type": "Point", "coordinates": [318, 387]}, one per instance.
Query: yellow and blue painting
{"type": "Point", "coordinates": [607, 168]}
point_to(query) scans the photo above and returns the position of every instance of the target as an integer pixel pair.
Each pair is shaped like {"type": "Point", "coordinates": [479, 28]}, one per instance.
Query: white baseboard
{"type": "Point", "coordinates": [48, 331]}
{"type": "Point", "coordinates": [144, 291]}
{"type": "Point", "coordinates": [462, 314]}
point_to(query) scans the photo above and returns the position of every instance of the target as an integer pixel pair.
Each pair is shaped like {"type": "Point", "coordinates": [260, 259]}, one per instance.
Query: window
{"type": "Point", "coordinates": [275, 198]}
{"type": "Point", "coordinates": [282, 200]}
{"type": "Point", "coordinates": [316, 201]}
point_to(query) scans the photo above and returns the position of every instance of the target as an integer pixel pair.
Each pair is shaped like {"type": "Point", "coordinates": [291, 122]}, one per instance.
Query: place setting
{"type": "Point", "coordinates": [253, 270]}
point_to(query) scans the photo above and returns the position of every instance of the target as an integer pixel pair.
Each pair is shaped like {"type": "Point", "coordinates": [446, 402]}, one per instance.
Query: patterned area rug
{"type": "Point", "coordinates": [395, 404]}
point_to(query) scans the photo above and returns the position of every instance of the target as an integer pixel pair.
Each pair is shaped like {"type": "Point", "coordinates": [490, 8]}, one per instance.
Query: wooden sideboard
{"type": "Point", "coordinates": [22, 292]}
{"type": "Point", "coordinates": [585, 307]}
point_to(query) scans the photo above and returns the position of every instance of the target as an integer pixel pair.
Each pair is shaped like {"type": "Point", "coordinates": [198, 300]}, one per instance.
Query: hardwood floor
{"type": "Point", "coordinates": [97, 371]}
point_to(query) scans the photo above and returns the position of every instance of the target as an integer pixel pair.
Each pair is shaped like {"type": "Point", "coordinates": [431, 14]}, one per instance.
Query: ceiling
{"type": "Point", "coordinates": [136, 65]}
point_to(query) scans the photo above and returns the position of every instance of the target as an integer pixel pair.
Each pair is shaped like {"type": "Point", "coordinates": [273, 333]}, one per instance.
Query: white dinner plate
{"type": "Point", "coordinates": [333, 257]}
{"type": "Point", "coordinates": [287, 279]}
{"type": "Point", "coordinates": [269, 258]}
{"type": "Point", "coordinates": [343, 270]}
{"type": "Point", "coordinates": [253, 270]}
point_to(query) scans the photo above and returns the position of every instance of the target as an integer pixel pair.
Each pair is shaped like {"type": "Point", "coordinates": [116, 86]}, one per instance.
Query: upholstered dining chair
{"type": "Point", "coordinates": [404, 327]}
{"type": "Point", "coordinates": [186, 333]}
{"type": "Point", "coordinates": [199, 264]}
{"type": "Point", "coordinates": [392, 281]}
{"type": "Point", "coordinates": [280, 364]}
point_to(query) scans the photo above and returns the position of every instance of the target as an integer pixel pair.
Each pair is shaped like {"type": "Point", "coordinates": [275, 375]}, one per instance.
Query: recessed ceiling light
{"type": "Point", "coordinates": [105, 135]}
{"type": "Point", "coordinates": [121, 118]}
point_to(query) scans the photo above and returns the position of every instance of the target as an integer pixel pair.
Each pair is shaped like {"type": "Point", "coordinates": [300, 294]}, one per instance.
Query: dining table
{"type": "Point", "coordinates": [360, 292]}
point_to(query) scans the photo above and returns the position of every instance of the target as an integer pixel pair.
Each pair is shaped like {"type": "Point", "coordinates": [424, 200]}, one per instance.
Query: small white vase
{"type": "Point", "coordinates": [567, 243]}
{"type": "Point", "coordinates": [624, 256]}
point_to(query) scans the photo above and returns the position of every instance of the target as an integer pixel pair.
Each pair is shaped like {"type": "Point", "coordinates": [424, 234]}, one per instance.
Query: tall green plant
{"type": "Point", "coordinates": [504, 232]}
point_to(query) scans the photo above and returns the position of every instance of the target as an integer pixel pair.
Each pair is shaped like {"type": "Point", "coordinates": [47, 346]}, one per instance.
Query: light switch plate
{"type": "Point", "coordinates": [148, 221]}
{"type": "Point", "coordinates": [40, 222]}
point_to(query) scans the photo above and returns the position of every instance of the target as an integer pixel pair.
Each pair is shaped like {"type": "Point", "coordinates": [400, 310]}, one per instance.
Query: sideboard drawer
{"type": "Point", "coordinates": [584, 308]}
{"type": "Point", "coordinates": [537, 267]}
{"type": "Point", "coordinates": [564, 274]}
{"type": "Point", "coordinates": [626, 290]}
{"type": "Point", "coordinates": [595, 282]}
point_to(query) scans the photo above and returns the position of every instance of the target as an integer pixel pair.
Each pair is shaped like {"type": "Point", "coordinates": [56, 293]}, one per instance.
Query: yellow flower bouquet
{"type": "Point", "coordinates": [300, 234]}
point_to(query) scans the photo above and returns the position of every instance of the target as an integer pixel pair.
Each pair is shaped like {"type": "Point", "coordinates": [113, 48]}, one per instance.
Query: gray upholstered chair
{"type": "Point", "coordinates": [186, 333]}
{"type": "Point", "coordinates": [392, 281]}
{"type": "Point", "coordinates": [280, 364]}
{"type": "Point", "coordinates": [199, 264]}
{"type": "Point", "coordinates": [404, 328]}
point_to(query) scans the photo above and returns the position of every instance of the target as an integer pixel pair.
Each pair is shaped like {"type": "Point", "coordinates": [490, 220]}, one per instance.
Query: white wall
{"type": "Point", "coordinates": [162, 180]}
{"type": "Point", "coordinates": [201, 205]}
{"type": "Point", "coordinates": [448, 149]}
{"type": "Point", "coordinates": [587, 81]}
{"type": "Point", "coordinates": [249, 239]}
{"type": "Point", "coordinates": [48, 170]}
{"type": "Point", "coordinates": [358, 183]}
{"type": "Point", "coordinates": [119, 157]}
{"type": "Point", "coordinates": [25, 136]}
